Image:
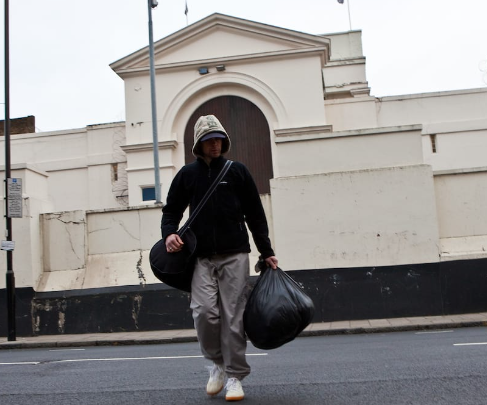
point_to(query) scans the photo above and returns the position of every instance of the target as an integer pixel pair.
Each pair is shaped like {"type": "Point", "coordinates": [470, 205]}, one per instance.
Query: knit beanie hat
{"type": "Point", "coordinates": [204, 125]}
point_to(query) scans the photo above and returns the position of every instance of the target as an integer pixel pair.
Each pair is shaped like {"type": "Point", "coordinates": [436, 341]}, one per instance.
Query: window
{"type": "Point", "coordinates": [433, 143]}
{"type": "Point", "coordinates": [148, 193]}
{"type": "Point", "coordinates": [114, 171]}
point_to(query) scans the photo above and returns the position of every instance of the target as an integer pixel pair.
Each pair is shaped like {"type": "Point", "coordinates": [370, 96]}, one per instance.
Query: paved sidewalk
{"type": "Point", "coordinates": [189, 335]}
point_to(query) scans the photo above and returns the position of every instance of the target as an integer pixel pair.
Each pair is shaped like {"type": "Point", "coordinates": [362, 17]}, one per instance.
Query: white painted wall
{"type": "Point", "coordinates": [431, 108]}
{"type": "Point", "coordinates": [65, 240]}
{"type": "Point", "coordinates": [356, 218]}
{"type": "Point", "coordinates": [352, 113]}
{"type": "Point", "coordinates": [356, 181]}
{"type": "Point", "coordinates": [104, 248]}
{"type": "Point", "coordinates": [92, 249]}
{"type": "Point", "coordinates": [461, 202]}
{"type": "Point", "coordinates": [345, 74]}
{"type": "Point", "coordinates": [26, 231]}
{"type": "Point", "coordinates": [462, 212]}
{"type": "Point", "coordinates": [345, 45]}
{"type": "Point", "coordinates": [305, 154]}
{"type": "Point", "coordinates": [459, 145]}
{"type": "Point", "coordinates": [78, 164]}
{"type": "Point", "coordinates": [300, 80]}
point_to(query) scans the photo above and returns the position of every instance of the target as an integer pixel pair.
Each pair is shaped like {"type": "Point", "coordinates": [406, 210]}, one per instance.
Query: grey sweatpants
{"type": "Point", "coordinates": [218, 297]}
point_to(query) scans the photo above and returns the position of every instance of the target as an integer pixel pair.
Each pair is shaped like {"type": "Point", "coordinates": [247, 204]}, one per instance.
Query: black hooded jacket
{"type": "Point", "coordinates": [220, 225]}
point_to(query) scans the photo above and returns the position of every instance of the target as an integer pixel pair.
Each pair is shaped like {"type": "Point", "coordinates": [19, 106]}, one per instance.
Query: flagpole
{"type": "Point", "coordinates": [349, 18]}
{"type": "Point", "coordinates": [186, 11]}
{"type": "Point", "coordinates": [349, 14]}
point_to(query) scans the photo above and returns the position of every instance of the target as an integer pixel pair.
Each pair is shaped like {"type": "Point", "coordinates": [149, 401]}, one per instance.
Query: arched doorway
{"type": "Point", "coordinates": [248, 130]}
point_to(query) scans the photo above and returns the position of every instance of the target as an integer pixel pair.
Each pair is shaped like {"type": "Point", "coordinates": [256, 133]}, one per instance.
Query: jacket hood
{"type": "Point", "coordinates": [204, 125]}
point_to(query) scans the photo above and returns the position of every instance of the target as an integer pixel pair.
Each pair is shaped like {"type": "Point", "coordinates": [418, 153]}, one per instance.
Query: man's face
{"type": "Point", "coordinates": [212, 148]}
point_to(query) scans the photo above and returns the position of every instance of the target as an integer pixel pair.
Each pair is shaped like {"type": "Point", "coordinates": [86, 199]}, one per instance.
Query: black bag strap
{"type": "Point", "coordinates": [205, 198]}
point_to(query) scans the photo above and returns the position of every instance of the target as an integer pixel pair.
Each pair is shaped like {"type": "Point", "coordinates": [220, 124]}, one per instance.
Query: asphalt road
{"type": "Point", "coordinates": [443, 367]}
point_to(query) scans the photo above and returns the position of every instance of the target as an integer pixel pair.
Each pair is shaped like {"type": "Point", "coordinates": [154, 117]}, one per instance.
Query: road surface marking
{"type": "Point", "coordinates": [141, 358]}
{"type": "Point", "coordinates": [470, 344]}
{"type": "Point", "coordinates": [434, 331]}
{"type": "Point", "coordinates": [34, 363]}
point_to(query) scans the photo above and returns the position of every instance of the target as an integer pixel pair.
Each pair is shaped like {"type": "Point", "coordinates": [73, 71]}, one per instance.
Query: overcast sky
{"type": "Point", "coordinates": [60, 50]}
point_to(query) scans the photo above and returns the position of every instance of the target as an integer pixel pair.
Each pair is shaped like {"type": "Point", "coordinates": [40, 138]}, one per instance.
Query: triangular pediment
{"type": "Point", "coordinates": [219, 37]}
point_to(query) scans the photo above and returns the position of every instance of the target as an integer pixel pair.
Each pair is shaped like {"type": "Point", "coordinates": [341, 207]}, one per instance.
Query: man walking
{"type": "Point", "coordinates": [219, 285]}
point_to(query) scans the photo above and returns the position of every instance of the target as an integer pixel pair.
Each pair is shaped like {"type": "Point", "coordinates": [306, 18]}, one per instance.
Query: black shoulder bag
{"type": "Point", "coordinates": [176, 269]}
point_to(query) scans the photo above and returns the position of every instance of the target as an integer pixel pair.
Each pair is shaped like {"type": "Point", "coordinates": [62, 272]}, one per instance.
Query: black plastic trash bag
{"type": "Point", "coordinates": [277, 310]}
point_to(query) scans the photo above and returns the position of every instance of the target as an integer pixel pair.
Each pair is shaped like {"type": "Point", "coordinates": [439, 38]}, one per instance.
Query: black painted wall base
{"type": "Point", "coordinates": [339, 294]}
{"type": "Point", "coordinates": [23, 312]}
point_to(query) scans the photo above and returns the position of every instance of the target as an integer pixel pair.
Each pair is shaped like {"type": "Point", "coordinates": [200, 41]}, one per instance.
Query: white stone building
{"type": "Point", "coordinates": [354, 184]}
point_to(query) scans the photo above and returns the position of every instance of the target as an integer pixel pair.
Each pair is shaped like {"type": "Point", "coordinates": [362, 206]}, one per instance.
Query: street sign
{"type": "Point", "coordinates": [14, 200]}
{"type": "Point", "coordinates": [8, 245]}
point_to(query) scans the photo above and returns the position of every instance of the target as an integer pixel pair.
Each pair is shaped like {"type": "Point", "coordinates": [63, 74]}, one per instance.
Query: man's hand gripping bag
{"type": "Point", "coordinates": [175, 269]}
{"type": "Point", "coordinates": [277, 310]}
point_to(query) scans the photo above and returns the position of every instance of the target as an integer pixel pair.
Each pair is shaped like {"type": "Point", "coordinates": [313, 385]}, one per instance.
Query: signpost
{"type": "Point", "coordinates": [9, 206]}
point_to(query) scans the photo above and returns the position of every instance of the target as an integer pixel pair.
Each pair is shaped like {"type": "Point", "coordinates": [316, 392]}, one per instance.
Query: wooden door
{"type": "Point", "coordinates": [248, 131]}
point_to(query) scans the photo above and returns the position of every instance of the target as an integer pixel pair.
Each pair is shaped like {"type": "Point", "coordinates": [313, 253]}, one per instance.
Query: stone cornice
{"type": "Point", "coordinates": [465, 170]}
{"type": "Point", "coordinates": [346, 62]}
{"type": "Point", "coordinates": [142, 147]}
{"type": "Point", "coordinates": [25, 166]}
{"type": "Point", "coordinates": [280, 133]}
{"type": "Point", "coordinates": [316, 133]}
{"type": "Point", "coordinates": [321, 51]}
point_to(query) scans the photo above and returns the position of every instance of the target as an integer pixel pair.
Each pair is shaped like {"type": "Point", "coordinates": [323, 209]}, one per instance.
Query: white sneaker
{"type": "Point", "coordinates": [217, 378]}
{"type": "Point", "coordinates": [234, 390]}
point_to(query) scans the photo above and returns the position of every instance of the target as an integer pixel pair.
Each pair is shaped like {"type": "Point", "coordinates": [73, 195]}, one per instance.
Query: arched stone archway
{"type": "Point", "coordinates": [248, 130]}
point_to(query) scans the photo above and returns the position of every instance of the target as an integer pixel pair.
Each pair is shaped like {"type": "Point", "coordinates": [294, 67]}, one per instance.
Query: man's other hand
{"type": "Point", "coordinates": [271, 261]}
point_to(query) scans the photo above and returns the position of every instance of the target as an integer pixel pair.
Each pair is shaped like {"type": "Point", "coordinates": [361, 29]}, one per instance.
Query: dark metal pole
{"type": "Point", "coordinates": [10, 277]}
{"type": "Point", "coordinates": [155, 138]}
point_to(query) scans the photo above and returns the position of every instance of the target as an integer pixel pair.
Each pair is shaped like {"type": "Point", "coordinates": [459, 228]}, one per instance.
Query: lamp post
{"type": "Point", "coordinates": [155, 140]}
{"type": "Point", "coordinates": [10, 277]}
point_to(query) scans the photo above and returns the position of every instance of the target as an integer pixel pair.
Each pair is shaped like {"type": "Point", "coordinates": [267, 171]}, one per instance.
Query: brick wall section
{"type": "Point", "coordinates": [24, 125]}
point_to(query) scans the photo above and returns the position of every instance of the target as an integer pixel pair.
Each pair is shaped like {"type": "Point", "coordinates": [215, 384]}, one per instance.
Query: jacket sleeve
{"type": "Point", "coordinates": [176, 203]}
{"type": "Point", "coordinates": [255, 215]}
